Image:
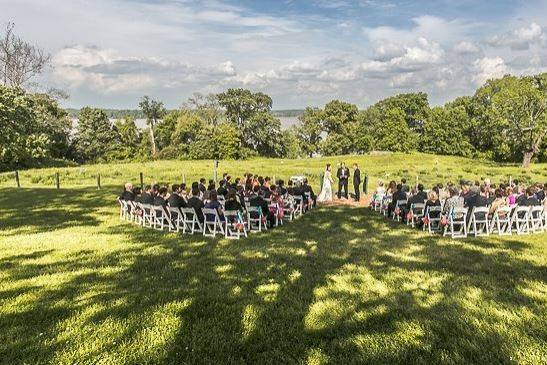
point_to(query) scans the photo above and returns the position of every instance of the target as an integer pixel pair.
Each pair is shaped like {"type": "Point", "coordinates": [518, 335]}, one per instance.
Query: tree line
{"type": "Point", "coordinates": [505, 120]}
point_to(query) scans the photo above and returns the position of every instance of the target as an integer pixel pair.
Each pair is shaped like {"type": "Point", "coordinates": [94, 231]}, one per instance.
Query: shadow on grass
{"type": "Point", "coordinates": [339, 285]}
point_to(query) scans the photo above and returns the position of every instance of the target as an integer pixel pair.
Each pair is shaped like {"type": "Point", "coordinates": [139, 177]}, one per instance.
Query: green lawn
{"type": "Point", "coordinates": [340, 285]}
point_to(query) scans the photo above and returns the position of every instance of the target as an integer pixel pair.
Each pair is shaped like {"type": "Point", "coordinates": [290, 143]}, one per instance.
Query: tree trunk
{"type": "Point", "coordinates": [153, 141]}
{"type": "Point", "coordinates": [527, 159]}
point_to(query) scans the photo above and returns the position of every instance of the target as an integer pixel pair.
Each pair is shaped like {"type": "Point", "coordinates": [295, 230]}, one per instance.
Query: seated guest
{"type": "Point", "coordinates": [499, 201]}
{"type": "Point", "coordinates": [213, 203]}
{"type": "Point", "coordinates": [455, 200]}
{"type": "Point", "coordinates": [137, 192]}
{"type": "Point", "coordinates": [146, 197]}
{"type": "Point", "coordinates": [127, 192]}
{"type": "Point", "coordinates": [155, 190]}
{"type": "Point", "coordinates": [391, 188]}
{"type": "Point", "coordinates": [530, 198]}
{"type": "Point", "coordinates": [222, 189]}
{"type": "Point", "coordinates": [308, 189]}
{"type": "Point", "coordinates": [380, 189]}
{"type": "Point", "coordinates": [232, 201]}
{"type": "Point", "coordinates": [175, 200]}
{"type": "Point", "coordinates": [196, 203]}
{"type": "Point", "coordinates": [521, 198]}
{"type": "Point", "coordinates": [183, 193]}
{"type": "Point", "coordinates": [466, 192]}
{"type": "Point", "coordinates": [419, 197]}
{"type": "Point", "coordinates": [511, 198]}
{"type": "Point", "coordinates": [281, 187]}
{"type": "Point", "coordinates": [201, 186]}
{"type": "Point", "coordinates": [405, 187]}
{"type": "Point", "coordinates": [432, 201]}
{"type": "Point", "coordinates": [290, 188]}
{"type": "Point", "coordinates": [398, 195]}
{"type": "Point", "coordinates": [477, 200]}
{"type": "Point", "coordinates": [257, 200]}
{"type": "Point", "coordinates": [160, 198]}
{"type": "Point", "coordinates": [212, 186]}
{"type": "Point", "coordinates": [540, 193]}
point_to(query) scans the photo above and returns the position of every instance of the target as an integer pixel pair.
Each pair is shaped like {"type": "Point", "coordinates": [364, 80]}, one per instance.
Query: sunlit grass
{"type": "Point", "coordinates": [340, 285]}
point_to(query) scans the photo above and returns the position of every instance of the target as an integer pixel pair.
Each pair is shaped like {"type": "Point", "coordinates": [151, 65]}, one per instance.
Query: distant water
{"type": "Point", "coordinates": [286, 122]}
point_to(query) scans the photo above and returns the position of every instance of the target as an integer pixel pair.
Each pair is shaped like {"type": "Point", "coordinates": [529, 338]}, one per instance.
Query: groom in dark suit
{"type": "Point", "coordinates": [343, 176]}
{"type": "Point", "coordinates": [356, 181]}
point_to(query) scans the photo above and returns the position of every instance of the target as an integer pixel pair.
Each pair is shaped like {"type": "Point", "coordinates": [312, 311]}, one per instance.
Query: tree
{"type": "Point", "coordinates": [241, 104]}
{"type": "Point", "coordinates": [226, 141]}
{"type": "Point", "coordinates": [95, 135]}
{"type": "Point", "coordinates": [207, 107]}
{"type": "Point", "coordinates": [337, 114]}
{"type": "Point", "coordinates": [19, 61]}
{"type": "Point", "coordinates": [415, 107]}
{"type": "Point", "coordinates": [263, 134]}
{"type": "Point", "coordinates": [394, 134]}
{"type": "Point", "coordinates": [443, 132]}
{"type": "Point", "coordinates": [154, 111]}
{"type": "Point", "coordinates": [309, 130]}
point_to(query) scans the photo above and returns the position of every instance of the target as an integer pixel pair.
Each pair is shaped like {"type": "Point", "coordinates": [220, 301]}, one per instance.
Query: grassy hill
{"type": "Point", "coordinates": [340, 285]}
{"type": "Point", "coordinates": [429, 169]}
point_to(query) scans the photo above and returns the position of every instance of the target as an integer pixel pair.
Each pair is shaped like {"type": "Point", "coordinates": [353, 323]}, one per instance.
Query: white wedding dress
{"type": "Point", "coordinates": [326, 190]}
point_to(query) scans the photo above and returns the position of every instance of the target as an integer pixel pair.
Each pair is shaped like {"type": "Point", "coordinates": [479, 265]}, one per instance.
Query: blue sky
{"type": "Point", "coordinates": [109, 53]}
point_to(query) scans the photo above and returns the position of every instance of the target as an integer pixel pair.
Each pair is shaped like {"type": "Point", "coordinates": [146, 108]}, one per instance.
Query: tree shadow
{"type": "Point", "coordinates": [340, 285]}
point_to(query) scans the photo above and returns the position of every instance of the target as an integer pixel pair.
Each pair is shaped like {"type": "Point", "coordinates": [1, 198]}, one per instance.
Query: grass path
{"type": "Point", "coordinates": [340, 285]}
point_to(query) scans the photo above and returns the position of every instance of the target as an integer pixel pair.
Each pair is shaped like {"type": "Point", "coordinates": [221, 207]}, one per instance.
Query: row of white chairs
{"type": "Point", "coordinates": [460, 222]}
{"type": "Point", "coordinates": [233, 224]}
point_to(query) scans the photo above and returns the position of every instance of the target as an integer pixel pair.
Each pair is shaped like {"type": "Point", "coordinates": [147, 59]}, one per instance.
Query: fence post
{"type": "Point", "coordinates": [365, 185]}
{"type": "Point", "coordinates": [17, 183]}
{"type": "Point", "coordinates": [57, 184]}
{"type": "Point", "coordinates": [215, 167]}
{"type": "Point", "coordinates": [142, 180]}
{"type": "Point", "coordinates": [98, 181]}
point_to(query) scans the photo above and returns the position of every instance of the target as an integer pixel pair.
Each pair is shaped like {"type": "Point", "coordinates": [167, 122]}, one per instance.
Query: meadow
{"type": "Point", "coordinates": [339, 285]}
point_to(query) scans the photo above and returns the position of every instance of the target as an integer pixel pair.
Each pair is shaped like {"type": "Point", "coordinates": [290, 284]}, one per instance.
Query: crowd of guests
{"type": "Point", "coordinates": [273, 199]}
{"type": "Point", "coordinates": [466, 194]}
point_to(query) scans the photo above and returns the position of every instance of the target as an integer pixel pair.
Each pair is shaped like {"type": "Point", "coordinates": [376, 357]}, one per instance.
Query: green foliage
{"type": "Point", "coordinates": [95, 135]}
{"type": "Point", "coordinates": [308, 131]}
{"type": "Point", "coordinates": [34, 128]}
{"type": "Point", "coordinates": [337, 115]}
{"type": "Point", "coordinates": [443, 132]}
{"type": "Point", "coordinates": [394, 134]}
{"type": "Point", "coordinates": [226, 139]}
{"type": "Point", "coordinates": [415, 107]}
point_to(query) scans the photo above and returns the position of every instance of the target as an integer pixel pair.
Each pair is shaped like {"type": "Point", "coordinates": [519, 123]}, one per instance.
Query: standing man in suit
{"type": "Point", "coordinates": [343, 177]}
{"type": "Point", "coordinates": [356, 182]}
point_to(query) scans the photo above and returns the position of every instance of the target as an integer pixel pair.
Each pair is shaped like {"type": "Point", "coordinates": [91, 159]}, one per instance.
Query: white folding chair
{"type": "Point", "coordinates": [298, 206]}
{"type": "Point", "coordinates": [478, 223]}
{"type": "Point", "coordinates": [519, 220]}
{"type": "Point", "coordinates": [457, 218]}
{"type": "Point", "coordinates": [309, 203]}
{"type": "Point", "coordinates": [501, 221]}
{"type": "Point", "coordinates": [234, 226]}
{"type": "Point", "coordinates": [160, 217]}
{"type": "Point", "coordinates": [124, 209]}
{"type": "Point", "coordinates": [190, 220]}
{"type": "Point", "coordinates": [398, 210]}
{"type": "Point", "coordinates": [536, 218]}
{"type": "Point", "coordinates": [433, 219]}
{"type": "Point", "coordinates": [417, 211]}
{"type": "Point", "coordinates": [175, 217]}
{"type": "Point", "coordinates": [211, 222]}
{"type": "Point", "coordinates": [376, 202]}
{"type": "Point", "coordinates": [147, 220]}
{"type": "Point", "coordinates": [255, 220]}
{"type": "Point", "coordinates": [288, 208]}
{"type": "Point", "coordinates": [385, 204]}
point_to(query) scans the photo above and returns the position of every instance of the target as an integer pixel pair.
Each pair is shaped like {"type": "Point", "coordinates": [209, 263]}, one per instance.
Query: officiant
{"type": "Point", "coordinates": [343, 177]}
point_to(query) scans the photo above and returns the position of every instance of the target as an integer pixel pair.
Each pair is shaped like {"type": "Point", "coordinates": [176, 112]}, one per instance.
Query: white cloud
{"type": "Point", "coordinates": [466, 47]}
{"type": "Point", "coordinates": [488, 68]}
{"type": "Point", "coordinates": [520, 39]}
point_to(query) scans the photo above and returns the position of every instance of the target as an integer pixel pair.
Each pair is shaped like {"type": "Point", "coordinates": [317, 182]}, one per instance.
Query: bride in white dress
{"type": "Point", "coordinates": [326, 189]}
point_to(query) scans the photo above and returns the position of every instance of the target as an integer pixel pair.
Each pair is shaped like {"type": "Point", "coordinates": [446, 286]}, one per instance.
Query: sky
{"type": "Point", "coordinates": [109, 53]}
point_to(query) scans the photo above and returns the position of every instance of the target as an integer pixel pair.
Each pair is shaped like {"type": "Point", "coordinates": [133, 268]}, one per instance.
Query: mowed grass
{"type": "Point", "coordinates": [340, 285]}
